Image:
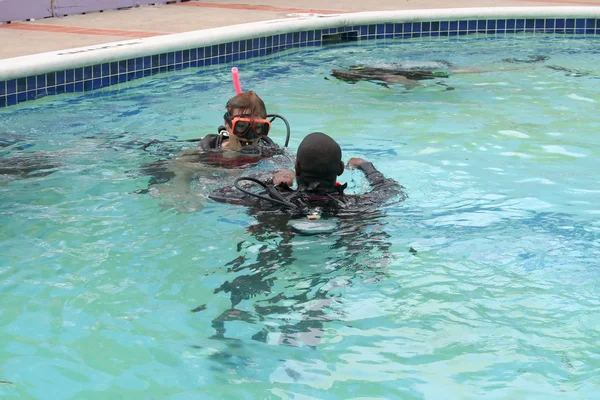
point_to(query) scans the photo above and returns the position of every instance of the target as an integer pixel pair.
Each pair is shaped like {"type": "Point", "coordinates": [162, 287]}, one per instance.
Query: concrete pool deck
{"type": "Point", "coordinates": [21, 38]}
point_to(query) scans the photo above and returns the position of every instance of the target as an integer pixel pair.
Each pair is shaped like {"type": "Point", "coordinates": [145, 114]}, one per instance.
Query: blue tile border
{"type": "Point", "coordinates": [92, 77]}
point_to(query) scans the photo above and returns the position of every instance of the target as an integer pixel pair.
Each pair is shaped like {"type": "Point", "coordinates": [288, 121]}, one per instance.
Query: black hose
{"type": "Point", "coordinates": [287, 126]}
{"type": "Point", "coordinates": [260, 196]}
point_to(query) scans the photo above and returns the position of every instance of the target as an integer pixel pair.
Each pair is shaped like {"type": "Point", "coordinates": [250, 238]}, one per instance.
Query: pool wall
{"type": "Point", "coordinates": [18, 10]}
{"type": "Point", "coordinates": [89, 68]}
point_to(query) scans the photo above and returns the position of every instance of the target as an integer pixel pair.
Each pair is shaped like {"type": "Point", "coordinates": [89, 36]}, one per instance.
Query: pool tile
{"type": "Point", "coordinates": [31, 82]}
{"type": "Point", "coordinates": [11, 100]}
{"type": "Point", "coordinates": [87, 73]}
{"type": "Point", "coordinates": [11, 86]}
{"type": "Point", "coordinates": [41, 81]}
{"type": "Point", "coordinates": [539, 24]}
{"type": "Point", "coordinates": [21, 85]}
{"type": "Point", "coordinates": [51, 79]}
{"type": "Point", "coordinates": [139, 64]}
{"type": "Point", "coordinates": [500, 25]}
{"type": "Point", "coordinates": [570, 23]}
{"type": "Point", "coordinates": [96, 71]}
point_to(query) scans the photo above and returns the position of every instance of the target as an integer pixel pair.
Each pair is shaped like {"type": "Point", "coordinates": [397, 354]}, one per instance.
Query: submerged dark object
{"type": "Point", "coordinates": [570, 71]}
{"type": "Point", "coordinates": [199, 308]}
{"type": "Point", "coordinates": [26, 166]}
{"type": "Point", "coordinates": [387, 75]}
{"type": "Point", "coordinates": [528, 60]}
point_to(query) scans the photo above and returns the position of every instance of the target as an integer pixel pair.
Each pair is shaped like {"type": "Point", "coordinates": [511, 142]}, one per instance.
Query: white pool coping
{"type": "Point", "coordinates": [42, 63]}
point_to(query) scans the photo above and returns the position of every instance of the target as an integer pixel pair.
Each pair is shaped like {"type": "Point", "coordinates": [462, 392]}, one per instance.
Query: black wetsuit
{"type": "Point", "coordinates": [330, 200]}
{"type": "Point", "coordinates": [215, 141]}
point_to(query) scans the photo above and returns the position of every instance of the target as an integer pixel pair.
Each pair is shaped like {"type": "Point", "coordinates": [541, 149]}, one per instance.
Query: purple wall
{"type": "Point", "coordinates": [18, 10]}
{"type": "Point", "coordinates": [66, 7]}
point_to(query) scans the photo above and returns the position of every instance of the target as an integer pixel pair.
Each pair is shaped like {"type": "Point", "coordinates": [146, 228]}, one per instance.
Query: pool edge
{"type": "Point", "coordinates": [35, 67]}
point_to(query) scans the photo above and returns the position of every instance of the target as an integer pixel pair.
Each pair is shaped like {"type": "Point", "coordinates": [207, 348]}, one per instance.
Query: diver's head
{"type": "Point", "coordinates": [319, 159]}
{"type": "Point", "coordinates": [246, 119]}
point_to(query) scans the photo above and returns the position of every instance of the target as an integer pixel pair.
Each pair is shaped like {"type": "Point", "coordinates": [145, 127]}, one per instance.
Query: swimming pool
{"type": "Point", "coordinates": [108, 293]}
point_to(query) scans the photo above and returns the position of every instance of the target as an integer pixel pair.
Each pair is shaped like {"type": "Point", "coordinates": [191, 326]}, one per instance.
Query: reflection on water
{"type": "Point", "coordinates": [288, 283]}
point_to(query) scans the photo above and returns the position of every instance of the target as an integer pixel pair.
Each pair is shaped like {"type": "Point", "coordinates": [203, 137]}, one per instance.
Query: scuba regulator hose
{"type": "Point", "coordinates": [275, 196]}
{"type": "Point", "coordinates": [287, 126]}
{"type": "Point", "coordinates": [311, 225]}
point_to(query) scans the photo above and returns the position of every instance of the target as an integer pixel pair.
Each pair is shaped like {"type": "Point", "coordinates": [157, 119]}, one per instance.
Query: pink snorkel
{"type": "Point", "coordinates": [236, 80]}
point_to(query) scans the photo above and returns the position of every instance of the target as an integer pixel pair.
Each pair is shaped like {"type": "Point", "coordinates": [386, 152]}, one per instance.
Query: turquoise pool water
{"type": "Point", "coordinates": [107, 293]}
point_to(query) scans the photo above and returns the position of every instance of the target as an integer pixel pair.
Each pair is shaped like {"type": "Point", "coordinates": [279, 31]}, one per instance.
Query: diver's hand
{"type": "Point", "coordinates": [283, 176]}
{"type": "Point", "coordinates": [355, 162]}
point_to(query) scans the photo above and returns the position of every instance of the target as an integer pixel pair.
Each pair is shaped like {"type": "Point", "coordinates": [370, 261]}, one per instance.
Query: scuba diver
{"type": "Point", "coordinates": [245, 134]}
{"type": "Point", "coordinates": [359, 251]}
{"type": "Point", "coordinates": [240, 143]}
{"type": "Point", "coordinates": [242, 140]}
{"type": "Point", "coordinates": [318, 164]}
{"type": "Point", "coordinates": [410, 74]}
